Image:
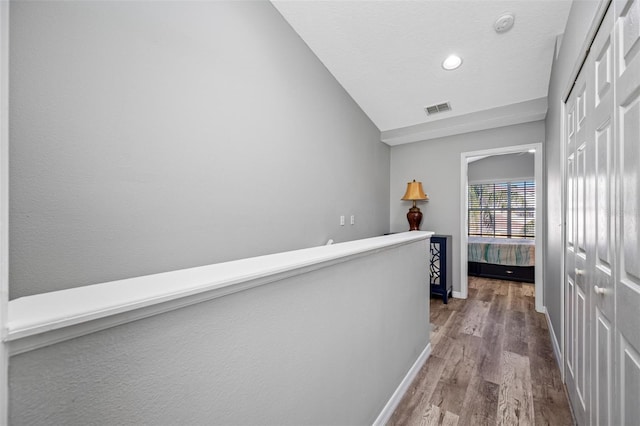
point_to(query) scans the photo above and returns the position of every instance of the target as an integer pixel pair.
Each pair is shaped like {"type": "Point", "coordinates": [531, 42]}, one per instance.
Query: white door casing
{"type": "Point", "coordinates": [464, 219]}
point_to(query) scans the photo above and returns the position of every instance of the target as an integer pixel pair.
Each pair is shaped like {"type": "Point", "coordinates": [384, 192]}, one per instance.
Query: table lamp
{"type": "Point", "coordinates": [414, 193]}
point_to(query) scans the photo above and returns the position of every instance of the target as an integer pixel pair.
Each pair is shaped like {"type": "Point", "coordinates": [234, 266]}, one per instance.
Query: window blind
{"type": "Point", "coordinates": [502, 209]}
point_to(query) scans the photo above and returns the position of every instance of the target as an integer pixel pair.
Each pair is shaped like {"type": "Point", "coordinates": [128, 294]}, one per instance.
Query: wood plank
{"type": "Point", "coordinates": [552, 409]}
{"type": "Point", "coordinates": [452, 329]}
{"type": "Point", "coordinates": [516, 338]}
{"type": "Point", "coordinates": [475, 318]}
{"type": "Point", "coordinates": [538, 321]}
{"type": "Point", "coordinates": [453, 304]}
{"type": "Point", "coordinates": [474, 282]}
{"type": "Point", "coordinates": [528, 290]}
{"type": "Point", "coordinates": [450, 419]}
{"type": "Point", "coordinates": [515, 400]}
{"type": "Point", "coordinates": [472, 346]}
{"type": "Point", "coordinates": [529, 304]}
{"type": "Point", "coordinates": [433, 416]}
{"type": "Point", "coordinates": [501, 287]}
{"type": "Point", "coordinates": [440, 316]}
{"type": "Point", "coordinates": [452, 387]}
{"type": "Point", "coordinates": [446, 333]}
{"type": "Point", "coordinates": [444, 346]}
{"type": "Point", "coordinates": [498, 309]}
{"type": "Point", "coordinates": [486, 290]}
{"type": "Point", "coordinates": [480, 403]}
{"type": "Point", "coordinates": [490, 364]}
{"type": "Point", "coordinates": [516, 300]}
{"type": "Point", "coordinates": [430, 416]}
{"type": "Point", "coordinates": [472, 293]}
{"type": "Point", "coordinates": [486, 295]}
{"type": "Point", "coordinates": [421, 388]}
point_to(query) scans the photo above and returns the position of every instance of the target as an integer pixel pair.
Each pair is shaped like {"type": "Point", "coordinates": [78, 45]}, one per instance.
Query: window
{"type": "Point", "coordinates": [505, 209]}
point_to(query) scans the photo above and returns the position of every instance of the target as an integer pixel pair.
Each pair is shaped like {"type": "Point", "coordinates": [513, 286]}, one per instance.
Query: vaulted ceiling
{"type": "Point", "coordinates": [388, 56]}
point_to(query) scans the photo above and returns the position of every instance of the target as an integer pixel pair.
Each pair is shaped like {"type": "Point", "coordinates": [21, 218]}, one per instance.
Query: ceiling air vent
{"type": "Point", "coordinates": [433, 109]}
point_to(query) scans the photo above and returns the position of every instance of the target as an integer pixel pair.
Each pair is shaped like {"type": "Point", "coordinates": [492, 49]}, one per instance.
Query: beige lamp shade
{"type": "Point", "coordinates": [415, 192]}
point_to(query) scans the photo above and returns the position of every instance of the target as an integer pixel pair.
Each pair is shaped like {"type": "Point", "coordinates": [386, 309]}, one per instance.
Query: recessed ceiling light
{"type": "Point", "coordinates": [452, 62]}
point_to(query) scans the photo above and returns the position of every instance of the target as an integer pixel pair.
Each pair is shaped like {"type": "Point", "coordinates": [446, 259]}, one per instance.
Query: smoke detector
{"type": "Point", "coordinates": [504, 23]}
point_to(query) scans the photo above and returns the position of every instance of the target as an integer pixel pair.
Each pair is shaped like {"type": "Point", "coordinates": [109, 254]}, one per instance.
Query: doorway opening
{"type": "Point", "coordinates": [465, 159]}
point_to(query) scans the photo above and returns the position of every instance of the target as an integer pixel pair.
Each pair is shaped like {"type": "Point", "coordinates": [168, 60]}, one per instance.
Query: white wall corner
{"type": "Point", "coordinates": [539, 228]}
{"type": "Point", "coordinates": [4, 208]}
{"type": "Point", "coordinates": [558, 45]}
{"type": "Point", "coordinates": [464, 210]}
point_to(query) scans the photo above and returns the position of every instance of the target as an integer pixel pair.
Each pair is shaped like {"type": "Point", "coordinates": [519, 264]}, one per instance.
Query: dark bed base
{"type": "Point", "coordinates": [502, 272]}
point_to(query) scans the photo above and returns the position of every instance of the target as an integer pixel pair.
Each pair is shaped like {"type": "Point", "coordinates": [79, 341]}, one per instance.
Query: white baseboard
{"type": "Point", "coordinates": [457, 294]}
{"type": "Point", "coordinates": [393, 402]}
{"type": "Point", "coordinates": [554, 340]}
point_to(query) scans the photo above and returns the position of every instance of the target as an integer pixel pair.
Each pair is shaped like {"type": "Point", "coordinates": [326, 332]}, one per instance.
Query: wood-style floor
{"type": "Point", "coordinates": [491, 363]}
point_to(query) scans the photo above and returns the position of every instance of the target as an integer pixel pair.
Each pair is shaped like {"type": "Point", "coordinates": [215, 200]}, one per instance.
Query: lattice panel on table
{"type": "Point", "coordinates": [434, 267]}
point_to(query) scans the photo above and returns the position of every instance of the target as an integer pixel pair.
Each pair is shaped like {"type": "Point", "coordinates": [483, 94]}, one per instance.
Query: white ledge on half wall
{"type": "Point", "coordinates": [44, 319]}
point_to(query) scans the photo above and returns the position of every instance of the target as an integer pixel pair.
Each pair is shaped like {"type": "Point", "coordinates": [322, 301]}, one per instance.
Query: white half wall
{"type": "Point", "coordinates": [325, 347]}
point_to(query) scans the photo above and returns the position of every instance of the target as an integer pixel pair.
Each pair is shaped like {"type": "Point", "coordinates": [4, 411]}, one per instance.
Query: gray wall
{"type": "Point", "coordinates": [289, 352]}
{"type": "Point", "coordinates": [580, 18]}
{"type": "Point", "coordinates": [437, 164]}
{"type": "Point", "coordinates": [153, 136]}
{"type": "Point", "coordinates": [502, 168]}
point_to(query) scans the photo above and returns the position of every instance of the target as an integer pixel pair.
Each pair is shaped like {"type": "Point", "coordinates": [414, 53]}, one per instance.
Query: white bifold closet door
{"type": "Point", "coordinates": [627, 289]}
{"type": "Point", "coordinates": [602, 208]}
{"type": "Point", "coordinates": [579, 243]}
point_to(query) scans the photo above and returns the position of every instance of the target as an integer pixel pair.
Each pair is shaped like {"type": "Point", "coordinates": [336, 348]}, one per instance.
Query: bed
{"type": "Point", "coordinates": [502, 258]}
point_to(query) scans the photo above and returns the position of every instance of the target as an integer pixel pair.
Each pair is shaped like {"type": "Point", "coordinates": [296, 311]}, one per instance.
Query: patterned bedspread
{"type": "Point", "coordinates": [502, 251]}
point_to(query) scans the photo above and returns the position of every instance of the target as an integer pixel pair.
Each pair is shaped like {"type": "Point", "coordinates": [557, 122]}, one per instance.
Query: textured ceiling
{"type": "Point", "coordinates": [388, 54]}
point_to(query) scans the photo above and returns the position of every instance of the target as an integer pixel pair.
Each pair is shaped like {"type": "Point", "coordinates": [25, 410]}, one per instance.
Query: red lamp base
{"type": "Point", "coordinates": [414, 216]}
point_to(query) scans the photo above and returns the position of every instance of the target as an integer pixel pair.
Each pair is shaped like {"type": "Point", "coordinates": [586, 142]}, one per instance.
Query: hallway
{"type": "Point", "coordinates": [491, 363]}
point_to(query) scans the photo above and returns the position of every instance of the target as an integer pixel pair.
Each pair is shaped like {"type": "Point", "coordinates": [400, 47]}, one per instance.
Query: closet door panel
{"type": "Point", "coordinates": [628, 286]}
{"type": "Point", "coordinates": [581, 348]}
{"type": "Point", "coordinates": [581, 201]}
{"type": "Point", "coordinates": [585, 237]}
{"type": "Point", "coordinates": [630, 31]}
{"type": "Point", "coordinates": [629, 383]}
{"type": "Point", "coordinates": [627, 291]}
{"type": "Point", "coordinates": [603, 386]}
{"type": "Point", "coordinates": [601, 225]}
{"type": "Point", "coordinates": [603, 194]}
{"type": "Point", "coordinates": [571, 332]}
{"type": "Point", "coordinates": [630, 138]}
{"type": "Point", "coordinates": [574, 310]}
